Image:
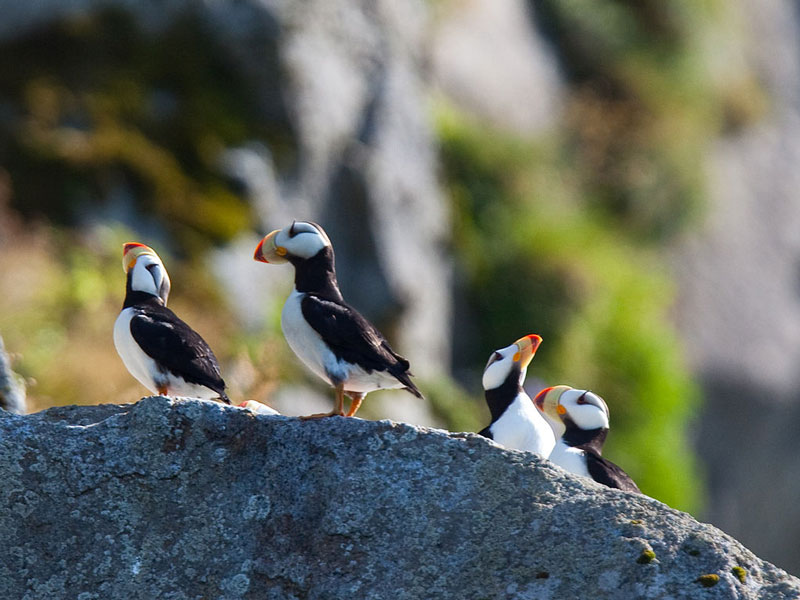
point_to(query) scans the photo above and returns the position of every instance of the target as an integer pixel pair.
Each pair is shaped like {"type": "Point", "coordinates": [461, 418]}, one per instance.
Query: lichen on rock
{"type": "Point", "coordinates": [192, 499]}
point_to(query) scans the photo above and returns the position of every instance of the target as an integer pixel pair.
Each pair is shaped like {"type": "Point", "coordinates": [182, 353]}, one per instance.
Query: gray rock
{"type": "Point", "coordinates": [192, 499]}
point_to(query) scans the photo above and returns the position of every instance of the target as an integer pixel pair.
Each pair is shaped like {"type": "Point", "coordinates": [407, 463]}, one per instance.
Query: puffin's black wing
{"type": "Point", "coordinates": [354, 339]}
{"type": "Point", "coordinates": [177, 348]}
{"type": "Point", "coordinates": [605, 472]}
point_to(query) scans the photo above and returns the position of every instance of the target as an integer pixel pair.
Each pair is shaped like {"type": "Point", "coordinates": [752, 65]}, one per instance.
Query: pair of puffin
{"type": "Point", "coordinates": [566, 425]}
{"type": "Point", "coordinates": [331, 338]}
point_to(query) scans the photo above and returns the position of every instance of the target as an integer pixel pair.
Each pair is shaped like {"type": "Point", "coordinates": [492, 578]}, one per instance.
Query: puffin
{"type": "Point", "coordinates": [258, 407]}
{"type": "Point", "coordinates": [580, 421]}
{"type": "Point", "coordinates": [329, 336]}
{"type": "Point", "coordinates": [162, 352]}
{"type": "Point", "coordinates": [516, 423]}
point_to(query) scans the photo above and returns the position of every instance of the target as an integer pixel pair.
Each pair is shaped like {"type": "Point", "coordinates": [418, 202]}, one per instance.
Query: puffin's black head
{"type": "Point", "coordinates": [146, 272]}
{"type": "Point", "coordinates": [297, 243]}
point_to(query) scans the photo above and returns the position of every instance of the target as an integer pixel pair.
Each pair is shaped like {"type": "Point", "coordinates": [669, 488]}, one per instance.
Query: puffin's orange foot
{"type": "Point", "coordinates": [355, 404]}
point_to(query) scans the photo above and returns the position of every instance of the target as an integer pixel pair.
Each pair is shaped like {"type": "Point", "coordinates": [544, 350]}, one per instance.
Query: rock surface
{"type": "Point", "coordinates": [191, 499]}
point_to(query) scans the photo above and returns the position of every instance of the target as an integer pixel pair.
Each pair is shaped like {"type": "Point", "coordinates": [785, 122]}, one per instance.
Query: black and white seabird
{"type": "Point", "coordinates": [580, 420]}
{"type": "Point", "coordinates": [158, 349]}
{"type": "Point", "coordinates": [516, 423]}
{"type": "Point", "coordinates": [329, 336]}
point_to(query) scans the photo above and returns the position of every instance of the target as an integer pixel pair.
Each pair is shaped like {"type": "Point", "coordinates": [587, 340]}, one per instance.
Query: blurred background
{"type": "Point", "coordinates": [620, 177]}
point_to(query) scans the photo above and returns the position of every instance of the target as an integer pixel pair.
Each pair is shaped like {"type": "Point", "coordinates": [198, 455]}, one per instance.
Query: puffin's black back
{"type": "Point", "coordinates": [172, 344]}
{"type": "Point", "coordinates": [603, 471]}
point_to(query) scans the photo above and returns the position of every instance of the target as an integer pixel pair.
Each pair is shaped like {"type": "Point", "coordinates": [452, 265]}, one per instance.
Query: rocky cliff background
{"type": "Point", "coordinates": [616, 176]}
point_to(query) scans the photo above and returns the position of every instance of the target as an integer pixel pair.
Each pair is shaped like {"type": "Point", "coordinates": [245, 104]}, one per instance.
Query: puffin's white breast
{"type": "Point", "coordinates": [141, 366]}
{"type": "Point", "coordinates": [570, 459]}
{"type": "Point", "coordinates": [522, 427]}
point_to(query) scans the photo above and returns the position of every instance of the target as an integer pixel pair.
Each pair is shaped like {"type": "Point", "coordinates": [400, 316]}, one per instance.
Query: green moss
{"type": "Point", "coordinates": [646, 557]}
{"type": "Point", "coordinates": [740, 573]}
{"type": "Point", "coordinates": [709, 580]}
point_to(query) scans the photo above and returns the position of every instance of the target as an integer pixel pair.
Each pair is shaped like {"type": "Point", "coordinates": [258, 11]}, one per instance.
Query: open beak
{"type": "Point", "coordinates": [268, 250]}
{"type": "Point", "coordinates": [526, 347]}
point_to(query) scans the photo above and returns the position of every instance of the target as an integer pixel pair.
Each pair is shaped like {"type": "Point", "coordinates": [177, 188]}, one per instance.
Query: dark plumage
{"type": "Point", "coordinates": [600, 469]}
{"type": "Point", "coordinates": [331, 337]}
{"type": "Point", "coordinates": [161, 351]}
{"type": "Point", "coordinates": [351, 337]}
{"type": "Point", "coordinates": [175, 346]}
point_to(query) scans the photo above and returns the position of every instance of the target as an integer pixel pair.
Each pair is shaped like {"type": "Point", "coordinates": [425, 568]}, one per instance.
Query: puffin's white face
{"type": "Point", "coordinates": [502, 362]}
{"type": "Point", "coordinates": [148, 274]}
{"type": "Point", "coordinates": [301, 239]}
{"type": "Point", "coordinates": [586, 409]}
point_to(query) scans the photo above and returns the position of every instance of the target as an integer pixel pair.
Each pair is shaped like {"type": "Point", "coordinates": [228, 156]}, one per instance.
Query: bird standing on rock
{"type": "Point", "coordinates": [166, 355]}
{"type": "Point", "coordinates": [580, 420]}
{"type": "Point", "coordinates": [328, 335]}
{"type": "Point", "coordinates": [516, 422]}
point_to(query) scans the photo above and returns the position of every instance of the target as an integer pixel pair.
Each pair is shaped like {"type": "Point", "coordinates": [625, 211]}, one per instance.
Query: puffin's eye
{"type": "Point", "coordinates": [582, 398]}
{"type": "Point", "coordinates": [292, 232]}
{"type": "Point", "coordinates": [494, 358]}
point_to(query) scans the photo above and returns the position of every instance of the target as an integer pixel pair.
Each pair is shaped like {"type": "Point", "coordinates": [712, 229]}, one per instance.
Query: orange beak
{"type": "Point", "coordinates": [268, 250]}
{"type": "Point", "coordinates": [259, 253]}
{"type": "Point", "coordinates": [128, 246]}
{"type": "Point", "coordinates": [549, 401]}
{"type": "Point", "coordinates": [132, 251]}
{"type": "Point", "coordinates": [527, 347]}
{"type": "Point", "coordinates": [539, 399]}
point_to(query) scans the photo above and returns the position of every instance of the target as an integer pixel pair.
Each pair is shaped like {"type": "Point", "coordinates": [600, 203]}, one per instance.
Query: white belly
{"type": "Point", "coordinates": [145, 369]}
{"type": "Point", "coordinates": [307, 344]}
{"type": "Point", "coordinates": [523, 428]}
{"type": "Point", "coordinates": [570, 459]}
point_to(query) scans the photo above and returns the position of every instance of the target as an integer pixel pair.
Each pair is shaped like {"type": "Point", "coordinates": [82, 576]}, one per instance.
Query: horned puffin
{"type": "Point", "coordinates": [516, 423]}
{"type": "Point", "coordinates": [580, 420]}
{"type": "Point", "coordinates": [331, 338]}
{"type": "Point", "coordinates": [158, 349]}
